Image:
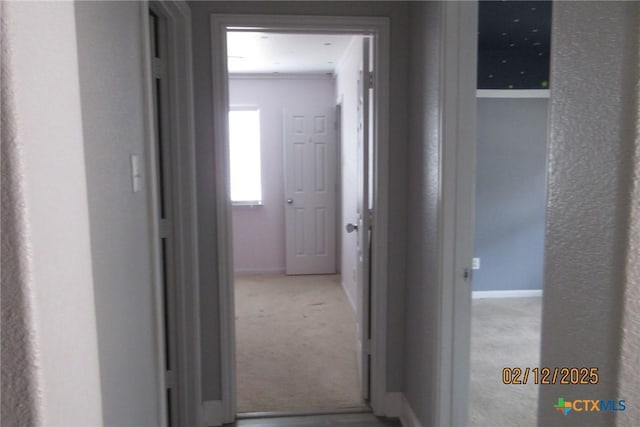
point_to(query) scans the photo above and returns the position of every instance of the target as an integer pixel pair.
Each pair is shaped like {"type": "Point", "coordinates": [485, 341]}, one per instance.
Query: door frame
{"type": "Point", "coordinates": [184, 228]}
{"type": "Point", "coordinates": [457, 191]}
{"type": "Point", "coordinates": [378, 27]}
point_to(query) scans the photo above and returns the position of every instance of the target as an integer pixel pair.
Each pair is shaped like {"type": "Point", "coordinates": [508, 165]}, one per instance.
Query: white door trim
{"type": "Point", "coordinates": [379, 28]}
{"type": "Point", "coordinates": [457, 177]}
{"type": "Point", "coordinates": [180, 81]}
{"type": "Point", "coordinates": [152, 203]}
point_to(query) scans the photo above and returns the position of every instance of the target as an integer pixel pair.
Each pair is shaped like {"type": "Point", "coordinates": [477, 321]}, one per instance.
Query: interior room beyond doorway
{"type": "Point", "coordinates": [296, 297]}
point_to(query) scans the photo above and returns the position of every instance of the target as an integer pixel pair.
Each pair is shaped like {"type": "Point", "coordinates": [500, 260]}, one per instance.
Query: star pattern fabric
{"type": "Point", "coordinates": [514, 44]}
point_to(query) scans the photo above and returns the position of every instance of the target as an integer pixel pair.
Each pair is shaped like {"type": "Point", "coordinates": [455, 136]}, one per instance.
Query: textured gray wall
{"type": "Point", "coordinates": [421, 315]}
{"type": "Point", "coordinates": [510, 193]}
{"type": "Point", "coordinates": [630, 358]}
{"type": "Point", "coordinates": [593, 111]}
{"type": "Point", "coordinates": [113, 127]}
{"type": "Point", "coordinates": [398, 14]}
{"type": "Point", "coordinates": [21, 400]}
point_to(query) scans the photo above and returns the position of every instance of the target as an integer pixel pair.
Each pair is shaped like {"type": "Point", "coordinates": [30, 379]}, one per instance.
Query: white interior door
{"type": "Point", "coordinates": [310, 191]}
{"type": "Point", "coordinates": [363, 226]}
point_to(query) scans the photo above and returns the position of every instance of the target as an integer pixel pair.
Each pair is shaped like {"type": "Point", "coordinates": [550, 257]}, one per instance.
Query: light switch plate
{"type": "Point", "coordinates": [475, 264]}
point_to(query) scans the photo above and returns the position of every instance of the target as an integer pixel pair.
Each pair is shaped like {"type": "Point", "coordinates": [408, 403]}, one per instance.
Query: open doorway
{"type": "Point", "coordinates": [295, 315]}
{"type": "Point", "coordinates": [305, 158]}
{"type": "Point", "coordinates": [511, 184]}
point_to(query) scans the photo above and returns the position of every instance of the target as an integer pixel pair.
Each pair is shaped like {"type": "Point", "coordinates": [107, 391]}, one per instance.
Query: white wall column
{"type": "Point", "coordinates": [44, 127]}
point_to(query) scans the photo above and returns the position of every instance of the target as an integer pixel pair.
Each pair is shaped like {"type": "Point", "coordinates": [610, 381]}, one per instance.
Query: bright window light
{"type": "Point", "coordinates": [244, 153]}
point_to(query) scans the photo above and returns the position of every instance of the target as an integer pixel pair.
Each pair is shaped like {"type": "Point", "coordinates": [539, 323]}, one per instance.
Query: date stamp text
{"type": "Point", "coordinates": [550, 375]}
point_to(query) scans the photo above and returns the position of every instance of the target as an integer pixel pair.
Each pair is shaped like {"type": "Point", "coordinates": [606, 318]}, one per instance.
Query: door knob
{"type": "Point", "coordinates": [351, 228]}
{"type": "Point", "coordinates": [290, 201]}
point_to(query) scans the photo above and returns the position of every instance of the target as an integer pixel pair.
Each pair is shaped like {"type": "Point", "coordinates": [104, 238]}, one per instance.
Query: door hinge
{"type": "Point", "coordinates": [370, 79]}
{"type": "Point", "coordinates": [366, 346]}
{"type": "Point", "coordinates": [157, 68]}
{"type": "Point", "coordinates": [164, 228]}
{"type": "Point", "coordinates": [169, 379]}
{"type": "Point", "coordinates": [467, 274]}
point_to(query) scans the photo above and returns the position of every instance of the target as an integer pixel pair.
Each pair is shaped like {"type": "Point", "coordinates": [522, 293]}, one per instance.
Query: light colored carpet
{"type": "Point", "coordinates": [505, 332]}
{"type": "Point", "coordinates": [295, 344]}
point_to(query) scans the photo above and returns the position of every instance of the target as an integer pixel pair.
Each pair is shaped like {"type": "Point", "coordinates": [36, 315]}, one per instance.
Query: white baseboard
{"type": "Point", "coordinates": [408, 418]}
{"type": "Point", "coordinates": [507, 294]}
{"type": "Point", "coordinates": [278, 270]}
{"type": "Point", "coordinates": [352, 302]}
{"type": "Point", "coordinates": [393, 404]}
{"type": "Point", "coordinates": [212, 413]}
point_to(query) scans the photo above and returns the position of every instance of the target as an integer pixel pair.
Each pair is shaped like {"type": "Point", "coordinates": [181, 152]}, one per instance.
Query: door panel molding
{"type": "Point", "coordinates": [309, 190]}
{"type": "Point", "coordinates": [378, 28]}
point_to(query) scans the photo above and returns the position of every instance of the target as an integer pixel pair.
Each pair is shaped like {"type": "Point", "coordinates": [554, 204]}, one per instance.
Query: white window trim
{"type": "Point", "coordinates": [249, 203]}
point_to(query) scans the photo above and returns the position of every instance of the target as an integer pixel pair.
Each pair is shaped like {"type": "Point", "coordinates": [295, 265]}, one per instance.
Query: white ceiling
{"type": "Point", "coordinates": [260, 52]}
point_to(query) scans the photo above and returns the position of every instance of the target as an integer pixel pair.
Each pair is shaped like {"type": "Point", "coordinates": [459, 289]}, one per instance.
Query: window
{"type": "Point", "coordinates": [244, 154]}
